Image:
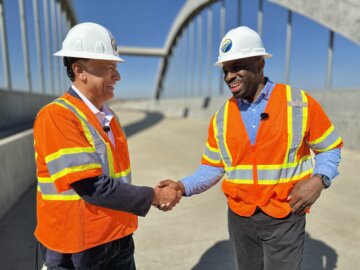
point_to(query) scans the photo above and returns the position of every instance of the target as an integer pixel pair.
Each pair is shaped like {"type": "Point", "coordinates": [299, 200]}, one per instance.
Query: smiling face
{"type": "Point", "coordinates": [245, 77]}
{"type": "Point", "coordinates": [96, 79]}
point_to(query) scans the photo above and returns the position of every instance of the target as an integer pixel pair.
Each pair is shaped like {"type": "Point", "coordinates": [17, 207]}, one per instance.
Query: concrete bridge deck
{"type": "Point", "coordinates": [194, 235]}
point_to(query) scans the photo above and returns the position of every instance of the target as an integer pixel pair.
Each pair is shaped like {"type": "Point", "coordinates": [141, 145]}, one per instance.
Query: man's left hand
{"type": "Point", "coordinates": [305, 193]}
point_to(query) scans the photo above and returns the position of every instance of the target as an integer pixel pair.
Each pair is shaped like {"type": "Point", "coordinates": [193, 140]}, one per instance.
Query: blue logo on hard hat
{"type": "Point", "coordinates": [226, 45]}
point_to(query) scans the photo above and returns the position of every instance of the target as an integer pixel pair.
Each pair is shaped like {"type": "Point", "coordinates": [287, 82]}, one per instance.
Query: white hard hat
{"type": "Point", "coordinates": [241, 42]}
{"type": "Point", "coordinates": [90, 41]}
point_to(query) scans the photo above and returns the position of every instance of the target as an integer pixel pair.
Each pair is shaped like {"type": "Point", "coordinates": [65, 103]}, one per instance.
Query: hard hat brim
{"type": "Point", "coordinates": [219, 63]}
{"type": "Point", "coordinates": [98, 56]}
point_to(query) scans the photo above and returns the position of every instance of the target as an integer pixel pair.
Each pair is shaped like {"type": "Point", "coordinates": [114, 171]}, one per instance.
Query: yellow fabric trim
{"type": "Point", "coordinates": [45, 180]}
{"type": "Point", "coordinates": [240, 167]}
{"type": "Point", "coordinates": [283, 166]}
{"type": "Point", "coordinates": [123, 173]}
{"type": "Point", "coordinates": [285, 180]}
{"type": "Point", "coordinates": [75, 169]}
{"type": "Point", "coordinates": [212, 148]}
{"type": "Point", "coordinates": [240, 181]}
{"type": "Point", "coordinates": [323, 137]}
{"type": "Point", "coordinates": [289, 122]}
{"type": "Point", "coordinates": [78, 111]}
{"type": "Point", "coordinates": [110, 158]}
{"type": "Point", "coordinates": [305, 113]}
{"type": "Point", "coordinates": [210, 159]}
{"type": "Point", "coordinates": [74, 197]}
{"type": "Point", "coordinates": [215, 128]}
{"type": "Point", "coordinates": [331, 146]}
{"type": "Point", "coordinates": [67, 151]}
{"type": "Point", "coordinates": [226, 113]}
{"type": "Point", "coordinates": [86, 129]}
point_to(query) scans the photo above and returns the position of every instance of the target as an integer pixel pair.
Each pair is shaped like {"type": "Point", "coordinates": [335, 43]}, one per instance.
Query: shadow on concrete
{"type": "Point", "coordinates": [150, 120]}
{"type": "Point", "coordinates": [217, 257]}
{"type": "Point", "coordinates": [12, 129]}
{"type": "Point", "coordinates": [317, 256]}
{"type": "Point", "coordinates": [17, 241]}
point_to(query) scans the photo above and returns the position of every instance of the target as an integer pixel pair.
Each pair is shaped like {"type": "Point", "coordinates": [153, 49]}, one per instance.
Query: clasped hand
{"type": "Point", "coordinates": [167, 194]}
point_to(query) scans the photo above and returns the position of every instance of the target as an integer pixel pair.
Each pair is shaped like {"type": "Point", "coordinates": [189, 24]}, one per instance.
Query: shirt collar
{"type": "Point", "coordinates": [104, 113]}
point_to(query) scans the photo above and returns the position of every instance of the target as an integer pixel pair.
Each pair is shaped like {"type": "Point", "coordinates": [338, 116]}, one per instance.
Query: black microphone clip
{"type": "Point", "coordinates": [264, 116]}
{"type": "Point", "coordinates": [106, 128]}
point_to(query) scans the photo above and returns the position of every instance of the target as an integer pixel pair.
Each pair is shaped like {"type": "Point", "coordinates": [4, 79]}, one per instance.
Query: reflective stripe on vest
{"type": "Point", "coordinates": [297, 115]}
{"type": "Point", "coordinates": [291, 169]}
{"type": "Point", "coordinates": [77, 159]}
{"type": "Point", "coordinates": [270, 174]}
{"type": "Point", "coordinates": [212, 154]}
{"type": "Point", "coordinates": [330, 139]}
{"type": "Point", "coordinates": [220, 127]}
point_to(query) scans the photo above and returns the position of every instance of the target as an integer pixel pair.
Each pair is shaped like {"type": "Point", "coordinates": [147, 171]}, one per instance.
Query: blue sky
{"type": "Point", "coordinates": [147, 23]}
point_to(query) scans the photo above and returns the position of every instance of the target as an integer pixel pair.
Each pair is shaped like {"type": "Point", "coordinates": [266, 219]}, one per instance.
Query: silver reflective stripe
{"type": "Point", "coordinates": [124, 179]}
{"type": "Point", "coordinates": [296, 122]}
{"type": "Point", "coordinates": [284, 173]}
{"type": "Point", "coordinates": [50, 189]}
{"type": "Point", "coordinates": [212, 154]}
{"type": "Point", "coordinates": [220, 123]}
{"type": "Point", "coordinates": [71, 160]}
{"type": "Point", "coordinates": [99, 144]}
{"type": "Point", "coordinates": [239, 174]}
{"type": "Point", "coordinates": [330, 139]}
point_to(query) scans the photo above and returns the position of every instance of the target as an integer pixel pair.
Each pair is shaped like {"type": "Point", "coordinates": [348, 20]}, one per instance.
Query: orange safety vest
{"type": "Point", "coordinates": [262, 175]}
{"type": "Point", "coordinates": [70, 145]}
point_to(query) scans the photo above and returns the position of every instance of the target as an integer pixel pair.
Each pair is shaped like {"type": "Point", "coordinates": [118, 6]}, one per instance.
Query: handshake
{"type": "Point", "coordinates": [167, 194]}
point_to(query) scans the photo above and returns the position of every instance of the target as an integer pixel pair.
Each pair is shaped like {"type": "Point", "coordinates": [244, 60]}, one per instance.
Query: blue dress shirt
{"type": "Point", "coordinates": [206, 176]}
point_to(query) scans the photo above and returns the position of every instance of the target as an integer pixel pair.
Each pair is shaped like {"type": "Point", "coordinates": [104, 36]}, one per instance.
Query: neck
{"type": "Point", "coordinates": [257, 91]}
{"type": "Point", "coordinates": [83, 89]}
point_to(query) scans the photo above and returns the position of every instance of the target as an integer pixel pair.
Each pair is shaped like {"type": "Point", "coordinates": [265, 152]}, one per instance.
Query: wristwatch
{"type": "Point", "coordinates": [326, 180]}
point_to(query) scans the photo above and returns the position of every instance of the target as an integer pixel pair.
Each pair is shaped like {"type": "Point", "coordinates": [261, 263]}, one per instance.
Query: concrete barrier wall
{"type": "Point", "coordinates": [342, 107]}
{"type": "Point", "coordinates": [17, 172]}
{"type": "Point", "coordinates": [19, 108]}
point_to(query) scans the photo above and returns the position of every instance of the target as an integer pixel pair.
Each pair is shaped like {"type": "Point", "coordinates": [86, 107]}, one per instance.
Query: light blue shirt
{"type": "Point", "coordinates": [206, 176]}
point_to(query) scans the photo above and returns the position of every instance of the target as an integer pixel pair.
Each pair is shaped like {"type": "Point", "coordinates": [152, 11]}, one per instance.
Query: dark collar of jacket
{"type": "Point", "coordinates": [72, 92]}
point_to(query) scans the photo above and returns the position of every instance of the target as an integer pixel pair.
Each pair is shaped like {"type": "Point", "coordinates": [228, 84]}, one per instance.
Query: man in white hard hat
{"type": "Point", "coordinates": [262, 139]}
{"type": "Point", "coordinates": [87, 207]}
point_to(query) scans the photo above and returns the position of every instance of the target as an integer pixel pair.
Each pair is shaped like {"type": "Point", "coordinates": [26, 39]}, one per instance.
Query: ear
{"type": "Point", "coordinates": [261, 65]}
{"type": "Point", "coordinates": [78, 71]}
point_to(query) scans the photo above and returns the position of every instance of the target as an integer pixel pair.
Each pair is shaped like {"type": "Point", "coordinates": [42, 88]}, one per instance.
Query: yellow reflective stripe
{"type": "Point", "coordinates": [283, 166]}
{"type": "Point", "coordinates": [271, 182]}
{"type": "Point", "coordinates": [38, 188]}
{"type": "Point", "coordinates": [77, 110]}
{"type": "Point", "coordinates": [212, 148]}
{"type": "Point", "coordinates": [331, 146]}
{"type": "Point", "coordinates": [215, 128]}
{"type": "Point", "coordinates": [110, 159]}
{"type": "Point", "coordinates": [44, 179]}
{"type": "Point", "coordinates": [123, 173]}
{"type": "Point", "coordinates": [305, 113]}
{"type": "Point", "coordinates": [210, 159]}
{"type": "Point", "coordinates": [289, 124]}
{"type": "Point", "coordinates": [65, 151]}
{"type": "Point", "coordinates": [323, 137]}
{"type": "Point", "coordinates": [83, 124]}
{"type": "Point", "coordinates": [60, 197]}
{"type": "Point", "coordinates": [240, 181]}
{"type": "Point", "coordinates": [286, 180]}
{"type": "Point", "coordinates": [240, 167]}
{"type": "Point", "coordinates": [226, 112]}
{"type": "Point", "coordinates": [75, 169]}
